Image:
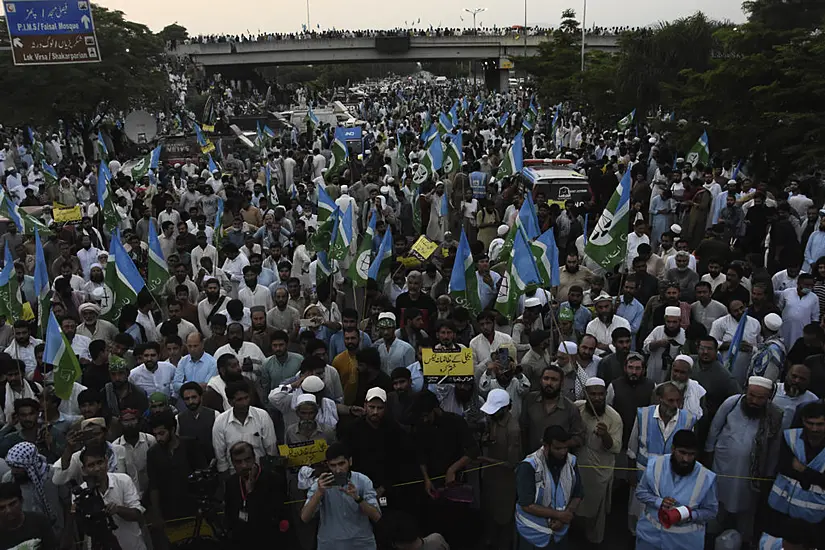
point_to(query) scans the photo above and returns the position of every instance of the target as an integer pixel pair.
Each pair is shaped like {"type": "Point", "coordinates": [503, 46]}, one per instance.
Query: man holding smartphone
{"type": "Point", "coordinates": [347, 503]}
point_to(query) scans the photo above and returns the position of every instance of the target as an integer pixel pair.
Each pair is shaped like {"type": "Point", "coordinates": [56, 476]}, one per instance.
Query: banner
{"type": "Point", "coordinates": [447, 367]}
{"type": "Point", "coordinates": [423, 248]}
{"type": "Point", "coordinates": [305, 453]}
{"type": "Point", "coordinates": [67, 215]}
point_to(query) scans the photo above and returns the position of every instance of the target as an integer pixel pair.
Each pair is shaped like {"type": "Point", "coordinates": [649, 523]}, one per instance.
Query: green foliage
{"type": "Point", "coordinates": [557, 66]}
{"type": "Point", "coordinates": [130, 76]}
{"type": "Point", "coordinates": [174, 32]}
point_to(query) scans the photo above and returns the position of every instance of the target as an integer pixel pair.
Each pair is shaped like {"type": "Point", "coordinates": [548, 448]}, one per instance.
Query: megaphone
{"type": "Point", "coordinates": [671, 517]}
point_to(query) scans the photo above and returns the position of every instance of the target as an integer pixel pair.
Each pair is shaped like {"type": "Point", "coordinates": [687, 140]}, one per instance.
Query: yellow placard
{"type": "Point", "coordinates": [447, 366]}
{"type": "Point", "coordinates": [423, 248]}
{"type": "Point", "coordinates": [208, 148]}
{"type": "Point", "coordinates": [208, 128]}
{"type": "Point", "coordinates": [304, 454]}
{"type": "Point", "coordinates": [67, 215]}
{"type": "Point", "coordinates": [409, 261]}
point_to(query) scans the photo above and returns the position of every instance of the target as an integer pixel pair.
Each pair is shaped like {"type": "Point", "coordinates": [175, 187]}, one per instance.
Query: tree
{"type": "Point", "coordinates": [174, 32]}
{"type": "Point", "coordinates": [557, 66]}
{"type": "Point", "coordinates": [130, 76]}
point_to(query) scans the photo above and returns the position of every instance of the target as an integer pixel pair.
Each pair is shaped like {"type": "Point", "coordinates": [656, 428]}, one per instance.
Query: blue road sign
{"type": "Point", "coordinates": [46, 32]}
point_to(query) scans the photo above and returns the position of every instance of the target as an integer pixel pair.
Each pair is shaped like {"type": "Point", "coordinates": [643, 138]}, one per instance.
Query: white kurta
{"type": "Point", "coordinates": [796, 313]}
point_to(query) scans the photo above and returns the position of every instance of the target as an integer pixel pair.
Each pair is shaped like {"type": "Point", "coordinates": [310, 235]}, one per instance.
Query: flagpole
{"type": "Point", "coordinates": [584, 19]}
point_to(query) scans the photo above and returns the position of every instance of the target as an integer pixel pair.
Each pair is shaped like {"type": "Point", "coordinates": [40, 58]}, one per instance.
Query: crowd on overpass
{"type": "Point", "coordinates": [373, 33]}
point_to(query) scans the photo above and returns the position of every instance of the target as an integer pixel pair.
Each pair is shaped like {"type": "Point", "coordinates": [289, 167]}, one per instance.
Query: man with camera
{"type": "Point", "coordinates": [107, 504]}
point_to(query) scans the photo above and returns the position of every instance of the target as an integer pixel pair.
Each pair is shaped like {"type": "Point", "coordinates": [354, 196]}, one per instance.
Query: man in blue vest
{"type": "Point", "coordinates": [652, 435]}
{"type": "Point", "coordinates": [679, 496]}
{"type": "Point", "coordinates": [798, 494]}
{"type": "Point", "coordinates": [549, 490]}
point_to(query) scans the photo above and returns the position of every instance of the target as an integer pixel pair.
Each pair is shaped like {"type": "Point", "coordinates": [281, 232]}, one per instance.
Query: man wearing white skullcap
{"type": "Point", "coordinates": [769, 358]}
{"type": "Point", "coordinates": [605, 322]}
{"type": "Point", "coordinates": [497, 244]}
{"type": "Point", "coordinates": [724, 329]}
{"type": "Point", "coordinates": [597, 456]}
{"type": "Point", "coordinates": [692, 391]}
{"type": "Point", "coordinates": [663, 344]}
{"type": "Point", "coordinates": [744, 438]}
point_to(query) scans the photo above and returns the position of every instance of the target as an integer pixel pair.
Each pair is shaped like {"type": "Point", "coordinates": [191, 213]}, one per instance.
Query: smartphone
{"type": "Point", "coordinates": [341, 479]}
{"type": "Point", "coordinates": [504, 357]}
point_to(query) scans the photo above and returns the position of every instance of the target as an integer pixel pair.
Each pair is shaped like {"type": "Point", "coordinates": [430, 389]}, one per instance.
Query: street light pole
{"type": "Point", "coordinates": [584, 22]}
{"type": "Point", "coordinates": [525, 28]}
{"type": "Point", "coordinates": [308, 25]}
{"type": "Point", "coordinates": [474, 12]}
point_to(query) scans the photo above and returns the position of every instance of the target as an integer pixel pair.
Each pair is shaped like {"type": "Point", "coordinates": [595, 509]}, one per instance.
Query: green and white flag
{"type": "Point", "coordinates": [106, 198]}
{"type": "Point", "coordinates": [49, 173]}
{"type": "Point", "coordinates": [61, 356]}
{"type": "Point", "coordinates": [158, 271]}
{"type": "Point", "coordinates": [360, 268]}
{"type": "Point", "coordinates": [464, 281]}
{"type": "Point", "coordinates": [122, 282]}
{"type": "Point", "coordinates": [323, 235]}
{"type": "Point", "coordinates": [521, 273]}
{"type": "Point", "coordinates": [139, 168]}
{"type": "Point", "coordinates": [342, 235]}
{"type": "Point", "coordinates": [607, 245]}
{"type": "Point", "coordinates": [102, 150]}
{"type": "Point", "coordinates": [513, 162]}
{"type": "Point", "coordinates": [432, 161]}
{"type": "Point", "coordinates": [700, 152]}
{"type": "Point", "coordinates": [25, 222]}
{"type": "Point", "coordinates": [627, 121]}
{"type": "Point", "coordinates": [10, 301]}
{"type": "Point", "coordinates": [455, 153]}
{"type": "Point", "coordinates": [340, 155]}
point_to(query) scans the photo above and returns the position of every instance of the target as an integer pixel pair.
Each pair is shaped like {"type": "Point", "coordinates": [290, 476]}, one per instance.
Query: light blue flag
{"type": "Point", "coordinates": [529, 219]}
{"type": "Point", "coordinates": [479, 110]}
{"type": "Point", "coordinates": [50, 174]}
{"type": "Point", "coordinates": [127, 271]}
{"type": "Point", "coordinates": [736, 342]}
{"type": "Point", "coordinates": [219, 224]}
{"type": "Point", "coordinates": [154, 159]}
{"type": "Point", "coordinates": [384, 256]}
{"type": "Point", "coordinates": [326, 206]}
{"type": "Point", "coordinates": [465, 104]}
{"type": "Point", "coordinates": [445, 206]}
{"type": "Point", "coordinates": [41, 281]}
{"type": "Point", "coordinates": [464, 281]}
{"type": "Point", "coordinates": [199, 134]}
{"type": "Point", "coordinates": [58, 353]}
{"type": "Point", "coordinates": [101, 144]}
{"type": "Point", "coordinates": [547, 257]}
{"type": "Point", "coordinates": [11, 211]}
{"type": "Point", "coordinates": [211, 165]}
{"type": "Point", "coordinates": [521, 273]}
{"type": "Point", "coordinates": [736, 170]}
{"type": "Point", "coordinates": [436, 154]}
{"type": "Point", "coordinates": [503, 120]}
{"type": "Point", "coordinates": [269, 132]}
{"type": "Point", "coordinates": [454, 112]}
{"type": "Point", "coordinates": [445, 122]}
{"type": "Point", "coordinates": [428, 133]}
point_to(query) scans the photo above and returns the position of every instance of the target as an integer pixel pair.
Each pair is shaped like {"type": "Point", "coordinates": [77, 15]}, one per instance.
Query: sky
{"type": "Point", "coordinates": [242, 16]}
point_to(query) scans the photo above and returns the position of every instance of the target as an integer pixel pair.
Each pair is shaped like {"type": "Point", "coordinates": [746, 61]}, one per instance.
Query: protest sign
{"type": "Point", "coordinates": [304, 454]}
{"type": "Point", "coordinates": [67, 215]}
{"type": "Point", "coordinates": [423, 248]}
{"type": "Point", "coordinates": [447, 366]}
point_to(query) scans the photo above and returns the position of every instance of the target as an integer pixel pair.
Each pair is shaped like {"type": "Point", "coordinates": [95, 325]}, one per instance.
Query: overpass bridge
{"type": "Point", "coordinates": [386, 49]}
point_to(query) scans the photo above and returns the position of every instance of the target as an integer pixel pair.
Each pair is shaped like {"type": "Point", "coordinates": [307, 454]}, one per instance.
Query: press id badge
{"type": "Point", "coordinates": [243, 515]}
{"type": "Point", "coordinates": [382, 502]}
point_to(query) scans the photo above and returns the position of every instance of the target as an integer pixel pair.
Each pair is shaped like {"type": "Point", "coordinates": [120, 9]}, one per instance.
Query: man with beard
{"type": "Point", "coordinates": [678, 487]}
{"type": "Point", "coordinates": [414, 298]}
{"type": "Point", "coordinates": [91, 433]}
{"type": "Point", "coordinates": [524, 325]}
{"type": "Point", "coordinates": [445, 446]}
{"type": "Point", "coordinates": [724, 329]}
{"type": "Point", "coordinates": [375, 441]}
{"type": "Point", "coordinates": [663, 344]}
{"type": "Point", "coordinates": [229, 370]}
{"type": "Point", "coordinates": [152, 375]}
{"type": "Point", "coordinates": [394, 352]}
{"type": "Point", "coordinates": [96, 280]}
{"type": "Point", "coordinates": [369, 376]}
{"type": "Point", "coordinates": [22, 347]}
{"type": "Point", "coordinates": [705, 310]}
{"type": "Point", "coordinates": [137, 444]}
{"type": "Point", "coordinates": [611, 366]}
{"type": "Point", "coordinates": [538, 504]}
{"type": "Point", "coordinates": [795, 499]}
{"type": "Point", "coordinates": [248, 354]}
{"type": "Point", "coordinates": [259, 333]}
{"type": "Point", "coordinates": [572, 274]}
{"type": "Point", "coordinates": [306, 428]}
{"type": "Point", "coordinates": [743, 443]}
{"type": "Point", "coordinates": [283, 316]}
{"type": "Point", "coordinates": [793, 393]}
{"type": "Point", "coordinates": [501, 451]}
{"type": "Point", "coordinates": [346, 363]}
{"type": "Point", "coordinates": [693, 394]}
{"type": "Point", "coordinates": [32, 472]}
{"type": "Point", "coordinates": [732, 288]}
{"type": "Point", "coordinates": [581, 315]}
{"type": "Point", "coordinates": [175, 323]}
{"type": "Point", "coordinates": [630, 308]}
{"type": "Point", "coordinates": [605, 323]}
{"type": "Point", "coordinates": [503, 373]}
{"type": "Point", "coordinates": [538, 357]}
{"type": "Point", "coordinates": [761, 304]}
{"type": "Point", "coordinates": [814, 248]}
{"type": "Point", "coordinates": [50, 442]}
{"type": "Point", "coordinates": [209, 306]}
{"type": "Point", "coordinates": [602, 442]}
{"type": "Point", "coordinates": [800, 307]}
{"type": "Point", "coordinates": [281, 365]}
{"type": "Point", "coordinates": [548, 407]}
{"type": "Point", "coordinates": [120, 392]}
{"type": "Point", "coordinates": [93, 327]}
{"type": "Point", "coordinates": [769, 358]}
{"type": "Point", "coordinates": [709, 372]}
{"type": "Point", "coordinates": [195, 421]}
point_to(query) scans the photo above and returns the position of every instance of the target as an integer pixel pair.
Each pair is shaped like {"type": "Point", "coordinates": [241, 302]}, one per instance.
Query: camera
{"type": "Point", "coordinates": [92, 516]}
{"type": "Point", "coordinates": [203, 484]}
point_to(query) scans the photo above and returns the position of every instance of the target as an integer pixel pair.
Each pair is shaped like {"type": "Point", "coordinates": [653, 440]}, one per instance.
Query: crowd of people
{"type": "Point", "coordinates": [679, 385]}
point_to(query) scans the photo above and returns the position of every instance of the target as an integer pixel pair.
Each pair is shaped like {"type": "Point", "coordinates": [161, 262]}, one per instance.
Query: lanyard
{"type": "Point", "coordinates": [244, 494]}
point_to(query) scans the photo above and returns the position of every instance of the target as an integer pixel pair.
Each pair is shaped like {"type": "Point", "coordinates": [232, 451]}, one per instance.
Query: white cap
{"type": "Point", "coordinates": [386, 316]}
{"type": "Point", "coordinates": [496, 399]}
{"type": "Point", "coordinates": [732, 182]}
{"type": "Point", "coordinates": [344, 188]}
{"type": "Point", "coordinates": [312, 384]}
{"type": "Point", "coordinates": [570, 348]}
{"type": "Point", "coordinates": [686, 358]}
{"type": "Point", "coordinates": [594, 381]}
{"type": "Point", "coordinates": [502, 230]}
{"type": "Point", "coordinates": [532, 302]}
{"type": "Point", "coordinates": [673, 311]}
{"type": "Point", "coordinates": [376, 393]}
{"type": "Point", "coordinates": [676, 228]}
{"type": "Point", "coordinates": [602, 297]}
{"type": "Point", "coordinates": [773, 322]}
{"type": "Point", "coordinates": [761, 381]}
{"type": "Point", "coordinates": [305, 398]}
{"type": "Point", "coordinates": [385, 189]}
